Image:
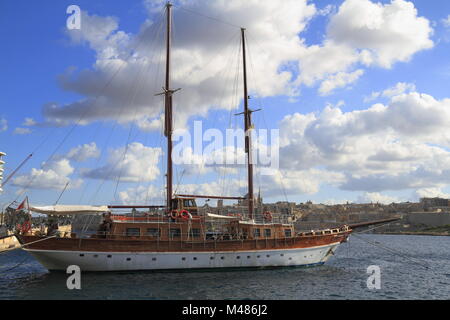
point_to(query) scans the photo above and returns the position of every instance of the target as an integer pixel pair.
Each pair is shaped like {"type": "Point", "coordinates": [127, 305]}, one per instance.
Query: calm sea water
{"type": "Point", "coordinates": [343, 277]}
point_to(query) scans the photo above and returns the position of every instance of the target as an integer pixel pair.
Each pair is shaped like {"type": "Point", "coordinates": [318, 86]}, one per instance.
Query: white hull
{"type": "Point", "coordinates": [133, 261]}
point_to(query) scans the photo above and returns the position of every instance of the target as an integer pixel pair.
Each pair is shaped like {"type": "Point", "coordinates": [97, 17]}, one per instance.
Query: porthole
{"type": "Point", "coordinates": [238, 257]}
{"type": "Point", "coordinates": [128, 259]}
{"type": "Point", "coordinates": [95, 255]}
{"type": "Point", "coordinates": [222, 258]}
{"type": "Point", "coordinates": [195, 258]}
{"type": "Point", "coordinates": [211, 258]}
{"type": "Point", "coordinates": [248, 257]}
{"type": "Point", "coordinates": [268, 256]}
{"type": "Point", "coordinates": [81, 255]}
{"type": "Point", "coordinates": [282, 254]}
{"type": "Point", "coordinates": [183, 258]}
{"type": "Point", "coordinates": [153, 259]}
{"type": "Point", "coordinates": [109, 256]}
{"type": "Point", "coordinates": [258, 256]}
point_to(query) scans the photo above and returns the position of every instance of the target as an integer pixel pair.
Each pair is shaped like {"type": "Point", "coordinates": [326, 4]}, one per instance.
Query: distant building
{"type": "Point", "coordinates": [434, 202]}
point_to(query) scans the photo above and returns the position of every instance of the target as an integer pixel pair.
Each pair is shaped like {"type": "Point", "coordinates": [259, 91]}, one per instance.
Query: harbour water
{"type": "Point", "coordinates": [344, 276]}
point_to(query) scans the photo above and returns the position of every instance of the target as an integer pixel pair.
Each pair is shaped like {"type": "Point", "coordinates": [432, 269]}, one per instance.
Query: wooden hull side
{"type": "Point", "coordinates": [139, 261]}
{"type": "Point", "coordinates": [112, 245]}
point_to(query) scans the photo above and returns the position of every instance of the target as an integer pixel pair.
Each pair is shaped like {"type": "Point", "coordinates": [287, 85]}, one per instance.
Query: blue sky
{"type": "Point", "coordinates": [333, 63]}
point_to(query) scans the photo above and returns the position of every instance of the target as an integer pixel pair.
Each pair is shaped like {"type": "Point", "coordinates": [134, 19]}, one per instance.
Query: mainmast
{"type": "Point", "coordinates": [248, 127]}
{"type": "Point", "coordinates": [168, 110]}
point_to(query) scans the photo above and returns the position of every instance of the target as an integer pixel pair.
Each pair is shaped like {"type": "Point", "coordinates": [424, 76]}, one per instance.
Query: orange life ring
{"type": "Point", "coordinates": [185, 215]}
{"type": "Point", "coordinates": [267, 216]}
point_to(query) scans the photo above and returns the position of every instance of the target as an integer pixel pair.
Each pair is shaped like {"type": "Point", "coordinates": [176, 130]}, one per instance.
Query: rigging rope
{"type": "Point", "coordinates": [208, 17]}
{"type": "Point", "coordinates": [393, 251]}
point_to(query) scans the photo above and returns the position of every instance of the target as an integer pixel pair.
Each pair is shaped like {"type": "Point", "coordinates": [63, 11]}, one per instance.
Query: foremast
{"type": "Point", "coordinates": [248, 127]}
{"type": "Point", "coordinates": [168, 93]}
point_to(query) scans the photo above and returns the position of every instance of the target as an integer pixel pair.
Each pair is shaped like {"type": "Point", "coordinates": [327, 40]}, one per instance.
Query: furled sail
{"type": "Point", "coordinates": [70, 210]}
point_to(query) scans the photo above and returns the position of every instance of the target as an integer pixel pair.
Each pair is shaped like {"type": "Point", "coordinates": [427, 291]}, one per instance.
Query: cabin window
{"type": "Point", "coordinates": [133, 232]}
{"type": "Point", "coordinates": [175, 233]}
{"type": "Point", "coordinates": [153, 232]}
{"type": "Point", "coordinates": [287, 233]}
{"type": "Point", "coordinates": [188, 203]}
{"type": "Point", "coordinates": [195, 233]}
{"type": "Point", "coordinates": [256, 233]}
{"type": "Point", "coordinates": [267, 232]}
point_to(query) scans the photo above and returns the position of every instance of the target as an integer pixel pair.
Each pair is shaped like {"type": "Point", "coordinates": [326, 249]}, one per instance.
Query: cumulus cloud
{"type": "Point", "coordinates": [54, 175]}
{"type": "Point", "coordinates": [399, 88]}
{"type": "Point", "coordinates": [339, 80]}
{"type": "Point", "coordinates": [363, 34]}
{"type": "Point", "coordinates": [127, 72]}
{"type": "Point", "coordinates": [391, 32]}
{"type": "Point", "coordinates": [205, 57]}
{"type": "Point", "coordinates": [83, 152]}
{"type": "Point", "coordinates": [135, 163]}
{"type": "Point", "coordinates": [375, 197]}
{"type": "Point", "coordinates": [429, 193]}
{"type": "Point", "coordinates": [396, 146]}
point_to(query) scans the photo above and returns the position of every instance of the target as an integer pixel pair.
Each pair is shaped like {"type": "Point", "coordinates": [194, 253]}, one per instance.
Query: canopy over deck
{"type": "Point", "coordinates": [63, 210]}
{"type": "Point", "coordinates": [218, 216]}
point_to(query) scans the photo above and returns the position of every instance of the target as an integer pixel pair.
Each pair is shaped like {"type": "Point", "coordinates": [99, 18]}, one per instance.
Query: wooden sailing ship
{"type": "Point", "coordinates": [177, 235]}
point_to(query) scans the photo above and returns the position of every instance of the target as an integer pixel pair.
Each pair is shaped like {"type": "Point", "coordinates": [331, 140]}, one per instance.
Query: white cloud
{"type": "Point", "coordinates": [397, 146]}
{"type": "Point", "coordinates": [29, 122]}
{"type": "Point", "coordinates": [430, 193]}
{"type": "Point", "coordinates": [205, 86]}
{"type": "Point", "coordinates": [360, 34]}
{"type": "Point", "coordinates": [83, 152]}
{"type": "Point", "coordinates": [375, 197]}
{"type": "Point", "coordinates": [21, 131]}
{"type": "Point", "coordinates": [399, 88]}
{"type": "Point", "coordinates": [392, 32]}
{"type": "Point", "coordinates": [136, 163]}
{"type": "Point", "coordinates": [339, 80]}
{"type": "Point", "coordinates": [54, 175]}
{"type": "Point", "coordinates": [3, 125]}
{"type": "Point", "coordinates": [140, 194]}
{"type": "Point", "coordinates": [446, 21]}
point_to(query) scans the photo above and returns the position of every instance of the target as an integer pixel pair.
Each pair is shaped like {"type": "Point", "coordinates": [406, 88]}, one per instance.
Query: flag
{"type": "Point", "coordinates": [22, 205]}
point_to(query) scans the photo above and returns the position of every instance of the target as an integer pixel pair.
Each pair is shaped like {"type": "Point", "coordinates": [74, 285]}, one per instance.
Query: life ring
{"type": "Point", "coordinates": [174, 214]}
{"type": "Point", "coordinates": [26, 226]}
{"type": "Point", "coordinates": [267, 216]}
{"type": "Point", "coordinates": [185, 215]}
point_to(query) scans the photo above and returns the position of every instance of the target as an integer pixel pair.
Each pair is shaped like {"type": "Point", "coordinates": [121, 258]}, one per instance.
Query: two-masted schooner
{"type": "Point", "coordinates": [178, 235]}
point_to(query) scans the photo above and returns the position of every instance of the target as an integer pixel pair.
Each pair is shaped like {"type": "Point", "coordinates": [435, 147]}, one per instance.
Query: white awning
{"type": "Point", "coordinates": [70, 210]}
{"type": "Point", "coordinates": [218, 216]}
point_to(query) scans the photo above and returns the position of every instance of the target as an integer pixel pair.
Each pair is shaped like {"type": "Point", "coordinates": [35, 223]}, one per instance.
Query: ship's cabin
{"type": "Point", "coordinates": [187, 204]}
{"type": "Point", "coordinates": [192, 227]}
